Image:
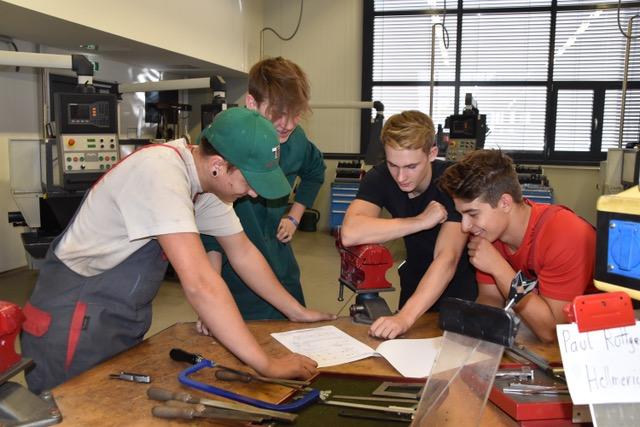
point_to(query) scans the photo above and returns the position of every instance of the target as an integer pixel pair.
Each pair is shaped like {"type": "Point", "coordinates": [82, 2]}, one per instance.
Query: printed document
{"type": "Point", "coordinates": [329, 346]}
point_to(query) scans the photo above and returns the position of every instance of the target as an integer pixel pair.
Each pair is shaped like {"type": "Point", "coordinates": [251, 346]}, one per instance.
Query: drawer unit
{"type": "Point", "coordinates": [538, 193]}
{"type": "Point", "coordinates": [342, 193]}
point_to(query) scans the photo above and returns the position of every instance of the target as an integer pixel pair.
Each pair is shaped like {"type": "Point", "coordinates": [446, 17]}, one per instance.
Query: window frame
{"type": "Point", "coordinates": [548, 155]}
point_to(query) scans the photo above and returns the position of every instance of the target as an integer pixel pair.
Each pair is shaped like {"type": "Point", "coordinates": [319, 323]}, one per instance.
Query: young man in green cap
{"type": "Point", "coordinates": [93, 296]}
{"type": "Point", "coordinates": [279, 90]}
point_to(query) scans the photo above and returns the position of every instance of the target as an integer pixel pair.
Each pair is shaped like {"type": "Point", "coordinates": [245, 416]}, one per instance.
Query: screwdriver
{"type": "Point", "coordinates": [163, 395]}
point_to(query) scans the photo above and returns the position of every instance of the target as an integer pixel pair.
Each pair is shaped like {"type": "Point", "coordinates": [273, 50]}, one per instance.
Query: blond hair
{"type": "Point", "coordinates": [409, 130]}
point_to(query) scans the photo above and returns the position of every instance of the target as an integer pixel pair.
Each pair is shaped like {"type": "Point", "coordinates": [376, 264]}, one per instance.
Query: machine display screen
{"type": "Point", "coordinates": [464, 127]}
{"type": "Point", "coordinates": [79, 112]}
{"type": "Point", "coordinates": [94, 114]}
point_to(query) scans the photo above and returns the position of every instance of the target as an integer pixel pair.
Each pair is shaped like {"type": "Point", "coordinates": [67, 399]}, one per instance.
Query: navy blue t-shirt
{"type": "Point", "coordinates": [379, 187]}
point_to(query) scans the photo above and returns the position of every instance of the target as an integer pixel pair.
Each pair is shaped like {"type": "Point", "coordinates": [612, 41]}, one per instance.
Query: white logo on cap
{"type": "Point", "coordinates": [276, 152]}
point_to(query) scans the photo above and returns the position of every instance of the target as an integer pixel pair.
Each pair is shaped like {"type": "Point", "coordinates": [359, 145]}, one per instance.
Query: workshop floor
{"type": "Point", "coordinates": [316, 253]}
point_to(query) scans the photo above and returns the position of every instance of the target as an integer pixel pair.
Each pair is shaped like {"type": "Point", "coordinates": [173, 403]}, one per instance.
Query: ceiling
{"type": "Point", "coordinates": [28, 25]}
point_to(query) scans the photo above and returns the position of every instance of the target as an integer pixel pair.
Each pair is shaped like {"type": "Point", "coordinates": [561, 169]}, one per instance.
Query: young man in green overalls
{"type": "Point", "coordinates": [279, 90]}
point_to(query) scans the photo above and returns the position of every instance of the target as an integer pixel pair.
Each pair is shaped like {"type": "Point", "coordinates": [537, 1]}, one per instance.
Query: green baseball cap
{"type": "Point", "coordinates": [249, 142]}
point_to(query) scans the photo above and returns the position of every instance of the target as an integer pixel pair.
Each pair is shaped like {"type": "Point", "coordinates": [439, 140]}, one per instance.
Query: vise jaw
{"type": "Point", "coordinates": [363, 269]}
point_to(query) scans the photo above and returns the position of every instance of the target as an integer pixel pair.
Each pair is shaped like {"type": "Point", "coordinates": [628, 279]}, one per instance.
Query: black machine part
{"type": "Point", "coordinates": [368, 415]}
{"type": "Point", "coordinates": [16, 219]}
{"type": "Point", "coordinates": [479, 321]}
{"type": "Point", "coordinates": [368, 307]}
{"type": "Point", "coordinates": [374, 153]}
{"type": "Point", "coordinates": [180, 355]}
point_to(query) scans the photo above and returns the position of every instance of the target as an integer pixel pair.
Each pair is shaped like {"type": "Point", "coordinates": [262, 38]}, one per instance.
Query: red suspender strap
{"type": "Point", "coordinates": [75, 329]}
{"type": "Point", "coordinates": [146, 147]}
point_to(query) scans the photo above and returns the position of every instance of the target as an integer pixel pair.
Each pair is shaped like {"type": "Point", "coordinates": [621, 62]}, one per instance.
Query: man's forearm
{"type": "Point", "coordinates": [532, 309]}
{"type": "Point", "coordinates": [216, 308]}
{"type": "Point", "coordinates": [536, 313]}
{"type": "Point", "coordinates": [209, 296]}
{"type": "Point", "coordinates": [254, 270]}
{"type": "Point", "coordinates": [362, 229]}
{"type": "Point", "coordinates": [431, 286]}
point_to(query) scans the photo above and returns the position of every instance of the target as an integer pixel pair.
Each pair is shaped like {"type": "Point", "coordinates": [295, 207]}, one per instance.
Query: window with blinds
{"type": "Point", "coordinates": [547, 74]}
{"type": "Point", "coordinates": [611, 121]}
{"type": "Point", "coordinates": [589, 46]}
{"type": "Point", "coordinates": [515, 115]}
{"type": "Point", "coordinates": [402, 49]}
{"type": "Point", "coordinates": [505, 47]}
{"type": "Point", "coordinates": [573, 122]}
{"type": "Point", "coordinates": [401, 98]}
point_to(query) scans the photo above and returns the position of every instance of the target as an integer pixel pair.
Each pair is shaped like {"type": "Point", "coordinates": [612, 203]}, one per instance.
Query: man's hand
{"type": "Point", "coordinates": [308, 315]}
{"type": "Point", "coordinates": [202, 328]}
{"type": "Point", "coordinates": [434, 214]}
{"type": "Point", "coordinates": [389, 327]}
{"type": "Point", "coordinates": [290, 366]}
{"type": "Point", "coordinates": [286, 230]}
{"type": "Point", "coordinates": [483, 255]}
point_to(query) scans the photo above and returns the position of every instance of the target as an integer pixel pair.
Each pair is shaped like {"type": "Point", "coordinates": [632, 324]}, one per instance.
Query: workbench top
{"type": "Point", "coordinates": [93, 399]}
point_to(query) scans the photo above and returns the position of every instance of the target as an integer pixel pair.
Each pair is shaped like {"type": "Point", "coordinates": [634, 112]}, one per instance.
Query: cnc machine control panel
{"type": "Point", "coordinates": [87, 137]}
{"type": "Point", "coordinates": [85, 153]}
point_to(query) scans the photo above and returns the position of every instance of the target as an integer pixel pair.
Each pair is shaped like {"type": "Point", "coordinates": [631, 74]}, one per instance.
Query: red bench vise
{"type": "Point", "coordinates": [363, 269]}
{"type": "Point", "coordinates": [11, 319]}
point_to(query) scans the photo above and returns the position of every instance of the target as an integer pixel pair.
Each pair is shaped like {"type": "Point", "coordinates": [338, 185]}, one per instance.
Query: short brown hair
{"type": "Point", "coordinates": [409, 130]}
{"type": "Point", "coordinates": [281, 83]}
{"type": "Point", "coordinates": [209, 150]}
{"type": "Point", "coordinates": [487, 174]}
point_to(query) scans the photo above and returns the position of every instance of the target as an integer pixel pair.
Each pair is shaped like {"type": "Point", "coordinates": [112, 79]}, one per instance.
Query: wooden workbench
{"type": "Point", "coordinates": [92, 399]}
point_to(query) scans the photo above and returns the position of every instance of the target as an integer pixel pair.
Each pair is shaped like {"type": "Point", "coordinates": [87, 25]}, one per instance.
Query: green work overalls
{"type": "Point", "coordinates": [260, 219]}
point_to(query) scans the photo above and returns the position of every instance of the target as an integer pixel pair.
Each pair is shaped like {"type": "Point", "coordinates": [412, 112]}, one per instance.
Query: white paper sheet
{"type": "Point", "coordinates": [411, 357]}
{"type": "Point", "coordinates": [327, 345]}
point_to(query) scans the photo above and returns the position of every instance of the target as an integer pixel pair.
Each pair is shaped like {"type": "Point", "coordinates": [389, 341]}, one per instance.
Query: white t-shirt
{"type": "Point", "coordinates": [147, 194]}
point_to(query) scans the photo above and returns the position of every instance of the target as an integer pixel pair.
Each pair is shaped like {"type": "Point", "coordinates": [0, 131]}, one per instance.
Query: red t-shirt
{"type": "Point", "coordinates": [565, 254]}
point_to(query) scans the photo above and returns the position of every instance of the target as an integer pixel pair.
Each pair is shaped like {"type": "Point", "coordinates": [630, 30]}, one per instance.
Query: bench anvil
{"type": "Point", "coordinates": [363, 269]}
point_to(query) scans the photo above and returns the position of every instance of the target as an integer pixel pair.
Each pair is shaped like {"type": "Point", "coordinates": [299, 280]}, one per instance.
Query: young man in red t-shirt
{"type": "Point", "coordinates": [503, 229]}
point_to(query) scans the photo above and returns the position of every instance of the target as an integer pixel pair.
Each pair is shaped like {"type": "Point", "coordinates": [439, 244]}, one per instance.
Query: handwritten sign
{"type": "Point", "coordinates": [601, 366]}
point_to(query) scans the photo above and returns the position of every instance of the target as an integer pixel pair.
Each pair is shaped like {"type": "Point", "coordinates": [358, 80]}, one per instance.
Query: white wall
{"type": "Point", "coordinates": [224, 32]}
{"type": "Point", "coordinates": [19, 94]}
{"type": "Point", "coordinates": [328, 47]}
{"type": "Point", "coordinates": [575, 187]}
